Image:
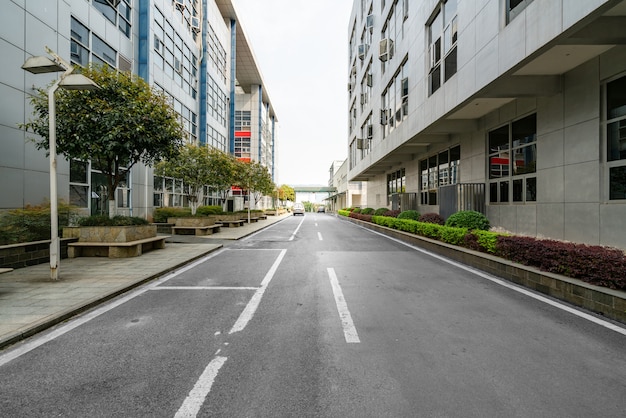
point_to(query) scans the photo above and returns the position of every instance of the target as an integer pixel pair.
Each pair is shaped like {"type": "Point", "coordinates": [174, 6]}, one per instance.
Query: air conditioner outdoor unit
{"type": "Point", "coordinates": [195, 24]}
{"type": "Point", "coordinates": [385, 49]}
{"type": "Point", "coordinates": [383, 116]}
{"type": "Point", "coordinates": [362, 51]}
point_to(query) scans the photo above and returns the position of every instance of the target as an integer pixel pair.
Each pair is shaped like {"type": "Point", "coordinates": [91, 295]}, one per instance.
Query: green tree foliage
{"type": "Point", "coordinates": [255, 177]}
{"type": "Point", "coordinates": [122, 123]}
{"type": "Point", "coordinates": [224, 168]}
{"type": "Point", "coordinates": [193, 165]}
{"type": "Point", "coordinates": [286, 192]}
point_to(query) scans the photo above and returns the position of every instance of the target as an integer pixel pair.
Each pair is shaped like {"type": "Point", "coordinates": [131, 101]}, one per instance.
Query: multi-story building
{"type": "Point", "coordinates": [195, 51]}
{"type": "Point", "coordinates": [347, 193]}
{"type": "Point", "coordinates": [512, 107]}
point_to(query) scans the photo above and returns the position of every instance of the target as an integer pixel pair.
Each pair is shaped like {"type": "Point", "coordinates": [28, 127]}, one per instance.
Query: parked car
{"type": "Point", "coordinates": [298, 209]}
{"type": "Point", "coordinates": [321, 209]}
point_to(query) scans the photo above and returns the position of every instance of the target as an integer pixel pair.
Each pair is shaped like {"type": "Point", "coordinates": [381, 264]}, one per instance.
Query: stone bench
{"type": "Point", "coordinates": [252, 220]}
{"type": "Point", "coordinates": [263, 217]}
{"type": "Point", "coordinates": [115, 249]}
{"type": "Point", "coordinates": [196, 230]}
{"type": "Point", "coordinates": [232, 223]}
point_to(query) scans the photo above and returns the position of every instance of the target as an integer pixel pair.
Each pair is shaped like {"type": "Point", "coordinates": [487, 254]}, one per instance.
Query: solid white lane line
{"type": "Point", "coordinates": [514, 287]}
{"type": "Point", "coordinates": [349, 331]}
{"type": "Point", "coordinates": [203, 288]}
{"type": "Point", "coordinates": [319, 236]}
{"type": "Point", "coordinates": [254, 302]}
{"type": "Point", "coordinates": [75, 323]}
{"type": "Point", "coordinates": [296, 231]}
{"type": "Point", "coordinates": [192, 404]}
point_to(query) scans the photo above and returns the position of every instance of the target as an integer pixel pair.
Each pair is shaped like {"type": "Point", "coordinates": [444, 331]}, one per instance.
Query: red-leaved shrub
{"type": "Point", "coordinates": [602, 266]}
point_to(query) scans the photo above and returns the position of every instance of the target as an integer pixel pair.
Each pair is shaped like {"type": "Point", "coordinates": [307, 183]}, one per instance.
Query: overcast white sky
{"type": "Point", "coordinates": [301, 48]}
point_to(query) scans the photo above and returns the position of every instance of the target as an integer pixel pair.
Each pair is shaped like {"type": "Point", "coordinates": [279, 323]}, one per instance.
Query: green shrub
{"type": "Point", "coordinates": [118, 220]}
{"type": "Point", "coordinates": [160, 215]}
{"type": "Point", "coordinates": [468, 219]}
{"type": "Point", "coordinates": [208, 210]}
{"type": "Point", "coordinates": [367, 211]}
{"type": "Point", "coordinates": [487, 240]}
{"type": "Point", "coordinates": [343, 212]}
{"type": "Point", "coordinates": [356, 210]}
{"type": "Point", "coordinates": [380, 211]}
{"type": "Point", "coordinates": [409, 214]}
{"type": "Point", "coordinates": [428, 230]}
{"type": "Point", "coordinates": [452, 235]}
{"type": "Point", "coordinates": [32, 223]}
{"type": "Point", "coordinates": [432, 218]}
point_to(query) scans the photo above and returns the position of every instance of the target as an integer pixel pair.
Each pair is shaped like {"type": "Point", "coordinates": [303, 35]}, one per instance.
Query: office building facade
{"type": "Point", "coordinates": [192, 50]}
{"type": "Point", "coordinates": [511, 107]}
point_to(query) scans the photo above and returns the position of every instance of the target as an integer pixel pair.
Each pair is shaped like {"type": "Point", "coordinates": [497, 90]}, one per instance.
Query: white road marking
{"type": "Point", "coordinates": [319, 236]}
{"type": "Point", "coordinates": [192, 404]}
{"type": "Point", "coordinates": [204, 288]}
{"type": "Point", "coordinates": [296, 231]}
{"type": "Point", "coordinates": [349, 331]}
{"type": "Point", "coordinates": [253, 304]}
{"type": "Point", "coordinates": [75, 323]}
{"type": "Point", "coordinates": [511, 286]}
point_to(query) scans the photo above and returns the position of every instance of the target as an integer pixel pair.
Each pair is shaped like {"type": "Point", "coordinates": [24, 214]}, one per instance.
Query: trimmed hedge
{"type": "Point", "coordinates": [367, 211]}
{"type": "Point", "coordinates": [118, 220]}
{"type": "Point", "coordinates": [595, 264]}
{"type": "Point", "coordinates": [160, 215]}
{"type": "Point", "coordinates": [32, 223]}
{"type": "Point", "coordinates": [209, 210]}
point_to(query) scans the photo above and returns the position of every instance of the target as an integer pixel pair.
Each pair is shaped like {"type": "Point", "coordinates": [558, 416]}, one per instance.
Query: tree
{"type": "Point", "coordinates": [122, 123]}
{"type": "Point", "coordinates": [192, 165]}
{"type": "Point", "coordinates": [223, 168]}
{"type": "Point", "coordinates": [286, 192]}
{"type": "Point", "coordinates": [255, 178]}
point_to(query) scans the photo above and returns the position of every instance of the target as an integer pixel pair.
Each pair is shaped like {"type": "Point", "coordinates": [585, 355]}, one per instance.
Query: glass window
{"type": "Point", "coordinates": [104, 51]}
{"type": "Point", "coordinates": [513, 153]}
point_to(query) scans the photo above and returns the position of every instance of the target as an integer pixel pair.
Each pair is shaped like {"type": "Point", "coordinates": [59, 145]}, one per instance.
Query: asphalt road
{"type": "Point", "coordinates": [316, 317]}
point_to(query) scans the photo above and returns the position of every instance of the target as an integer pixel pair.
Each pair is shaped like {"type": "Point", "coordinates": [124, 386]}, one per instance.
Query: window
{"type": "Point", "coordinates": [120, 16]}
{"type": "Point", "coordinates": [396, 183]}
{"type": "Point", "coordinates": [395, 101]}
{"type": "Point", "coordinates": [515, 7]}
{"type": "Point", "coordinates": [79, 183]}
{"type": "Point", "coordinates": [442, 39]}
{"type": "Point", "coordinates": [512, 162]}
{"type": "Point", "coordinates": [438, 170]}
{"type": "Point", "coordinates": [615, 128]}
{"type": "Point", "coordinates": [86, 47]}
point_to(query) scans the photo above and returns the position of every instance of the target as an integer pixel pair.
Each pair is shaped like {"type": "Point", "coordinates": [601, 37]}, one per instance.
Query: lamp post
{"type": "Point", "coordinates": [69, 81]}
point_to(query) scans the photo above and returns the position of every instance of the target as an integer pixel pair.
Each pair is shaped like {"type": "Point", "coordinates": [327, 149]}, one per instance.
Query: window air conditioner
{"type": "Point", "coordinates": [361, 143]}
{"type": "Point", "coordinates": [385, 49]}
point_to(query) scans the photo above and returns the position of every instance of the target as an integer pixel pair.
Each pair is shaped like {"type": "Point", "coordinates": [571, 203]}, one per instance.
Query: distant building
{"type": "Point", "coordinates": [194, 51]}
{"type": "Point", "coordinates": [512, 108]}
{"type": "Point", "coordinates": [347, 193]}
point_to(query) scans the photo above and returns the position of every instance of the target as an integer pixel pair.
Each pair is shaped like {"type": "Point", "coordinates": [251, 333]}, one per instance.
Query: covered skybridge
{"type": "Point", "coordinates": [310, 193]}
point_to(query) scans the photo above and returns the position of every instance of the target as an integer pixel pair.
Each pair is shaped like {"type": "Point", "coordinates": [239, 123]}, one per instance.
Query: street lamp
{"type": "Point", "coordinates": [69, 81]}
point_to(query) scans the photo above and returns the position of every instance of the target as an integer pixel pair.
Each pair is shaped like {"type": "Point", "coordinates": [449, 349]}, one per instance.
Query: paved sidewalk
{"type": "Point", "coordinates": [30, 302]}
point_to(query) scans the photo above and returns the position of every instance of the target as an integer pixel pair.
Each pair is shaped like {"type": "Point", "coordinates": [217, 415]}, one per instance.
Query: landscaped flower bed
{"type": "Point", "coordinates": [594, 264]}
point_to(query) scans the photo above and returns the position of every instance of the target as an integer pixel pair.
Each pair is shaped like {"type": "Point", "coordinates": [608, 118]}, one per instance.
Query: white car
{"type": "Point", "coordinates": [298, 209]}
